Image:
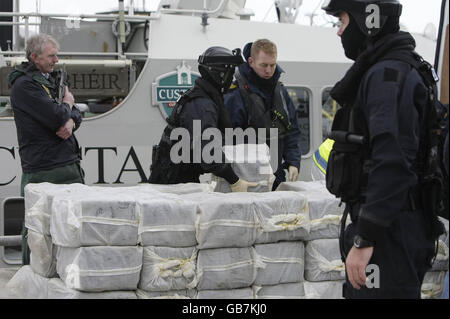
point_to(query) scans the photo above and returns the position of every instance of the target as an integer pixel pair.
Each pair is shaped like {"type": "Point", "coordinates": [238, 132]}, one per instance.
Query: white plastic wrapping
{"type": "Point", "coordinates": [282, 216]}
{"type": "Point", "coordinates": [167, 220]}
{"type": "Point", "coordinates": [283, 263]}
{"type": "Point", "coordinates": [100, 268]}
{"type": "Point", "coordinates": [42, 254]}
{"type": "Point", "coordinates": [241, 293]}
{"type": "Point", "coordinates": [96, 219]}
{"type": "Point", "coordinates": [281, 291]}
{"type": "Point", "coordinates": [323, 261]}
{"type": "Point", "coordinates": [225, 220]}
{"type": "Point", "coordinates": [250, 162]}
{"type": "Point", "coordinates": [173, 294]}
{"type": "Point", "coordinates": [58, 290]}
{"type": "Point", "coordinates": [167, 268]}
{"type": "Point", "coordinates": [38, 203]}
{"type": "Point", "coordinates": [26, 284]}
{"type": "Point", "coordinates": [226, 268]}
{"type": "Point", "coordinates": [324, 289]}
{"type": "Point", "coordinates": [433, 285]}
{"type": "Point", "coordinates": [325, 210]}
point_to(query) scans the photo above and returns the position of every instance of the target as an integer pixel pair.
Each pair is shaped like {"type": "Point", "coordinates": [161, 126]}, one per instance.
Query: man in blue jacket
{"type": "Point", "coordinates": [48, 149]}
{"type": "Point", "coordinates": [259, 100]}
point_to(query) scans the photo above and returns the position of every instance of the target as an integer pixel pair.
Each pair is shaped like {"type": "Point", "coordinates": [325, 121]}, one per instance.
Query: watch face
{"type": "Point", "coordinates": [357, 241]}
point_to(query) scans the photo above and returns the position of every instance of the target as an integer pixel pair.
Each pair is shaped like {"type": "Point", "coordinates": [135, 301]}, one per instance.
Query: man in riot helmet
{"type": "Point", "coordinates": [374, 165]}
{"type": "Point", "coordinates": [203, 103]}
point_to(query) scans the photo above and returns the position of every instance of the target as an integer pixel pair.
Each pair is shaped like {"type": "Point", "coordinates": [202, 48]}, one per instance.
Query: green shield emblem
{"type": "Point", "coordinates": [168, 87]}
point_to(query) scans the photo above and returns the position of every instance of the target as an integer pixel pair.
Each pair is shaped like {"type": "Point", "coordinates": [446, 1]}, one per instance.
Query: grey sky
{"type": "Point", "coordinates": [416, 13]}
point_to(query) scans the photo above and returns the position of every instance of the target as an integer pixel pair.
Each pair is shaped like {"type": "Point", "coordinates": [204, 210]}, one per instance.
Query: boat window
{"type": "Point", "coordinates": [329, 109]}
{"type": "Point", "coordinates": [302, 99]}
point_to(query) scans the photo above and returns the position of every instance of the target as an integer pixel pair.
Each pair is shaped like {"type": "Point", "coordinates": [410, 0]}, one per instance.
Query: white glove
{"type": "Point", "coordinates": [242, 186]}
{"type": "Point", "coordinates": [293, 173]}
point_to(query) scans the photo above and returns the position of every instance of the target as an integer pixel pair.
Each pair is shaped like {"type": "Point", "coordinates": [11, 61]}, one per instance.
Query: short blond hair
{"type": "Point", "coordinates": [264, 45]}
{"type": "Point", "coordinates": [36, 44]}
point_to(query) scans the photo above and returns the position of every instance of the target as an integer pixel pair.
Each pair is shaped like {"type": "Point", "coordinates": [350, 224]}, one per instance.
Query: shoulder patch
{"type": "Point", "coordinates": [390, 75]}
{"type": "Point", "coordinates": [233, 86]}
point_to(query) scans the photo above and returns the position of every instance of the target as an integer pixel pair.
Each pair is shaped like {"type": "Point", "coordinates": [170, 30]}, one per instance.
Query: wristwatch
{"type": "Point", "coordinates": [360, 242]}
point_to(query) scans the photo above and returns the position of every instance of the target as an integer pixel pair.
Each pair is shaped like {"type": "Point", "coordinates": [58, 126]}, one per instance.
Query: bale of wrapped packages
{"type": "Point", "coordinates": [323, 260]}
{"type": "Point", "coordinates": [433, 285]}
{"type": "Point", "coordinates": [224, 220]}
{"type": "Point", "coordinates": [283, 263]}
{"type": "Point", "coordinates": [323, 289]}
{"type": "Point", "coordinates": [281, 291]}
{"type": "Point", "coordinates": [226, 268]}
{"type": "Point", "coordinates": [173, 294]}
{"type": "Point", "coordinates": [241, 293]}
{"type": "Point", "coordinates": [250, 162]}
{"type": "Point", "coordinates": [42, 254]}
{"type": "Point", "coordinates": [325, 210]}
{"type": "Point", "coordinates": [100, 268]}
{"type": "Point", "coordinates": [26, 284]}
{"type": "Point", "coordinates": [97, 219]}
{"type": "Point", "coordinates": [38, 203]}
{"type": "Point", "coordinates": [168, 268]}
{"type": "Point", "coordinates": [282, 216]}
{"type": "Point", "coordinates": [58, 290]}
{"type": "Point", "coordinates": [441, 261]}
{"type": "Point", "coordinates": [167, 220]}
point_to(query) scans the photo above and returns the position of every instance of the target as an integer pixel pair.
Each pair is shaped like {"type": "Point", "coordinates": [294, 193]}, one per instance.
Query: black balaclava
{"type": "Point", "coordinates": [353, 39]}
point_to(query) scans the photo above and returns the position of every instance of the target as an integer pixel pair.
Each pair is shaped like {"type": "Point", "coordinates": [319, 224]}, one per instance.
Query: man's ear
{"type": "Point", "coordinates": [251, 61]}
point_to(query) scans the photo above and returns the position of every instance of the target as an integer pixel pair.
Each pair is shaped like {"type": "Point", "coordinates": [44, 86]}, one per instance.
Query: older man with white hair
{"type": "Point", "coordinates": [48, 149]}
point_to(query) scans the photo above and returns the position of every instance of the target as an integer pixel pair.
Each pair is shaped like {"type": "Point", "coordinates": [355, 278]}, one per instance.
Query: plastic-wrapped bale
{"type": "Point", "coordinates": [281, 291]}
{"type": "Point", "coordinates": [97, 219]}
{"type": "Point", "coordinates": [168, 268]}
{"type": "Point", "coordinates": [433, 285]}
{"type": "Point", "coordinates": [26, 284]}
{"type": "Point", "coordinates": [441, 261]}
{"type": "Point", "coordinates": [284, 263]}
{"type": "Point", "coordinates": [324, 289]}
{"type": "Point", "coordinates": [168, 220]}
{"type": "Point", "coordinates": [226, 268]}
{"type": "Point", "coordinates": [42, 254]}
{"type": "Point", "coordinates": [282, 216]}
{"type": "Point", "coordinates": [325, 210]}
{"type": "Point", "coordinates": [100, 268]}
{"type": "Point", "coordinates": [225, 220]}
{"type": "Point", "coordinates": [250, 162]}
{"type": "Point", "coordinates": [241, 293]}
{"type": "Point", "coordinates": [323, 261]}
{"type": "Point", "coordinates": [177, 189]}
{"type": "Point", "coordinates": [172, 294]}
{"type": "Point", "coordinates": [57, 289]}
{"type": "Point", "coordinates": [38, 203]}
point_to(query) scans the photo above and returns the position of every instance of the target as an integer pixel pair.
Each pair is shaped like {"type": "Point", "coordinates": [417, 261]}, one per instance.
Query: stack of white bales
{"type": "Point", "coordinates": [167, 235]}
{"type": "Point", "coordinates": [324, 269]}
{"type": "Point", "coordinates": [249, 244]}
{"type": "Point", "coordinates": [87, 236]}
{"type": "Point", "coordinates": [433, 283]}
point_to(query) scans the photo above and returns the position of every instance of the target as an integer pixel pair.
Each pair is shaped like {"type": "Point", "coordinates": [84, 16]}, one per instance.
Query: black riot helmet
{"type": "Point", "coordinates": [217, 65]}
{"type": "Point", "coordinates": [370, 15]}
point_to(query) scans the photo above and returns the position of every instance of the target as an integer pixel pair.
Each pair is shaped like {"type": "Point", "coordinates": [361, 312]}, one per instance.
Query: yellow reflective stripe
{"type": "Point", "coordinates": [325, 149]}
{"type": "Point", "coordinates": [48, 91]}
{"type": "Point", "coordinates": [317, 161]}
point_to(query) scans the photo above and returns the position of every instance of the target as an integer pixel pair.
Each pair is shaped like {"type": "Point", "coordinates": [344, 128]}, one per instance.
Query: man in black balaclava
{"type": "Point", "coordinates": [203, 103]}
{"type": "Point", "coordinates": [383, 97]}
